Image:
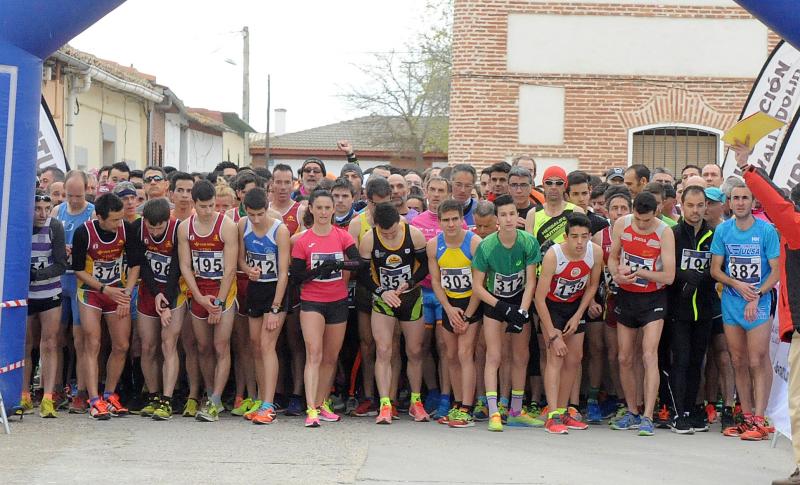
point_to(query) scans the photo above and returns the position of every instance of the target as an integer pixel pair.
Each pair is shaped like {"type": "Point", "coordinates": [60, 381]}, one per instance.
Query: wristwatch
{"type": "Point", "coordinates": [218, 302]}
{"type": "Point", "coordinates": [275, 309]}
{"type": "Point", "coordinates": [524, 313]}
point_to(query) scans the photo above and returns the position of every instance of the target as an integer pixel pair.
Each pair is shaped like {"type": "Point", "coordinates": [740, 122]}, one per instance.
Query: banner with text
{"type": "Point", "coordinates": [50, 151]}
{"type": "Point", "coordinates": [776, 93]}
{"type": "Point", "coordinates": [778, 405]}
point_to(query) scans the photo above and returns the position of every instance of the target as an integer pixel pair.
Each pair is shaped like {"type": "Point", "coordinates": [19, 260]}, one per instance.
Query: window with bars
{"type": "Point", "coordinates": [674, 147]}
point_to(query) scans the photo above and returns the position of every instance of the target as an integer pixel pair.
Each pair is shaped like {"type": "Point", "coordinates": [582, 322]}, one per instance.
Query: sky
{"type": "Point", "coordinates": [311, 49]}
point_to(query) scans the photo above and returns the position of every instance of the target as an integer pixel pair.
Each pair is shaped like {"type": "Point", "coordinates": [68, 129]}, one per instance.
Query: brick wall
{"type": "Point", "coordinates": [599, 109]}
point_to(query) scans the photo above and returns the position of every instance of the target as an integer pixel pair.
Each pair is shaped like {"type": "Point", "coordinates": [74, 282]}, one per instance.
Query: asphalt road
{"type": "Point", "coordinates": [132, 449]}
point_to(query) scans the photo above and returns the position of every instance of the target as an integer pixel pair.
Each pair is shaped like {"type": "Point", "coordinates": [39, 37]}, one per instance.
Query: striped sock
{"type": "Point", "coordinates": [516, 401]}
{"type": "Point", "coordinates": [491, 401]}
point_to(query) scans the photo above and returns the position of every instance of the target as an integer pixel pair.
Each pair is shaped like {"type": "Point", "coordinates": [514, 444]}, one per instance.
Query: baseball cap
{"type": "Point", "coordinates": [352, 167]}
{"type": "Point", "coordinates": [124, 188]}
{"type": "Point", "coordinates": [554, 171]}
{"type": "Point", "coordinates": [715, 194]}
{"type": "Point", "coordinates": [615, 173]}
{"type": "Point", "coordinates": [104, 189]}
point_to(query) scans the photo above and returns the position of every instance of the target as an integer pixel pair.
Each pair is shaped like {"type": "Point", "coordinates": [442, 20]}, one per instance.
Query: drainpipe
{"type": "Point", "coordinates": [74, 90]}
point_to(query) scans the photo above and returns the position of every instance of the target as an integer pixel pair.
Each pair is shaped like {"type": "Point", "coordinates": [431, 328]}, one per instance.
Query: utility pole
{"type": "Point", "coordinates": [246, 88]}
{"type": "Point", "coordinates": [266, 134]}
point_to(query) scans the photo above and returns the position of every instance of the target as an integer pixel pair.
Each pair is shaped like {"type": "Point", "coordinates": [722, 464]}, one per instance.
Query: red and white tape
{"type": "Point", "coordinates": [12, 366]}
{"type": "Point", "coordinates": [13, 303]}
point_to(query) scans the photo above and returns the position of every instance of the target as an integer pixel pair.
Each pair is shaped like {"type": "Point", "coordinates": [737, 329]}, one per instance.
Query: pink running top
{"type": "Point", "coordinates": [315, 250]}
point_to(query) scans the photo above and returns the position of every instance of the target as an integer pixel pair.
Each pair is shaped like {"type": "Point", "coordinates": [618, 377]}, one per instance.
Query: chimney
{"type": "Point", "coordinates": [280, 121]}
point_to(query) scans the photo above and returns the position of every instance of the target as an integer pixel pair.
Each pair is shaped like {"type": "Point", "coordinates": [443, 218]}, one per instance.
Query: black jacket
{"type": "Point", "coordinates": [693, 295]}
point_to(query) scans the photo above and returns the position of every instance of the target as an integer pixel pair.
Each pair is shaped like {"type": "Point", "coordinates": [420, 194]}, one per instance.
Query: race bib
{"type": "Point", "coordinates": [264, 262]}
{"type": "Point", "coordinates": [392, 278]}
{"type": "Point", "coordinates": [745, 268]}
{"type": "Point", "coordinates": [696, 260]}
{"type": "Point", "coordinates": [318, 258]}
{"type": "Point", "coordinates": [107, 272]}
{"type": "Point", "coordinates": [456, 280]}
{"type": "Point", "coordinates": [566, 289]}
{"type": "Point", "coordinates": [507, 286]}
{"type": "Point", "coordinates": [39, 262]}
{"type": "Point", "coordinates": [159, 265]}
{"type": "Point", "coordinates": [208, 264]}
{"type": "Point", "coordinates": [635, 263]}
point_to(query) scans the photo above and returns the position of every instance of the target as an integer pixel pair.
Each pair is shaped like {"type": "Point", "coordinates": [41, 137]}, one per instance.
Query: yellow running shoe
{"type": "Point", "coordinates": [47, 409]}
{"type": "Point", "coordinates": [243, 407]}
{"type": "Point", "coordinates": [190, 409]}
{"type": "Point", "coordinates": [495, 422]}
{"type": "Point", "coordinates": [25, 406]}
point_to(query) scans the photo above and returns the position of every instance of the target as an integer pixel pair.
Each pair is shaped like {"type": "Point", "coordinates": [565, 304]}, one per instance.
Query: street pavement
{"type": "Point", "coordinates": [132, 449]}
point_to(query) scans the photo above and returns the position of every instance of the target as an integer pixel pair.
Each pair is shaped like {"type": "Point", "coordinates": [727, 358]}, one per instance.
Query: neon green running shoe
{"type": "Point", "coordinates": [524, 420]}
{"type": "Point", "coordinates": [47, 409]}
{"type": "Point", "coordinates": [25, 406]}
{"type": "Point", "coordinates": [209, 413]}
{"type": "Point", "coordinates": [495, 422]}
{"type": "Point", "coordinates": [151, 407]}
{"type": "Point", "coordinates": [255, 407]}
{"type": "Point", "coordinates": [163, 412]}
{"type": "Point", "coordinates": [244, 407]}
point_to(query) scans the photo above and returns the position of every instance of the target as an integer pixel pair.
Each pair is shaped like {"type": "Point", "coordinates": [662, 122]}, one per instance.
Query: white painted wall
{"type": "Point", "coordinates": [576, 44]}
{"type": "Point", "coordinates": [541, 115]}
{"type": "Point", "coordinates": [701, 3]}
{"type": "Point", "coordinates": [204, 151]}
{"type": "Point", "coordinates": [172, 139]}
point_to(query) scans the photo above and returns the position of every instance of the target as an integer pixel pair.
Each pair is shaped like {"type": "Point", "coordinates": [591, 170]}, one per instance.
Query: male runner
{"type": "Point", "coordinates": [395, 252]}
{"type": "Point", "coordinates": [207, 248]}
{"type": "Point", "coordinates": [450, 257]}
{"type": "Point", "coordinates": [519, 185]}
{"type": "Point", "coordinates": [343, 202]}
{"type": "Point", "coordinates": [567, 283]}
{"type": "Point", "coordinates": [636, 177]}
{"type": "Point", "coordinates": [98, 250]}
{"type": "Point", "coordinates": [642, 263]}
{"type": "Point", "coordinates": [311, 173]}
{"type": "Point", "coordinates": [74, 213]}
{"type": "Point", "coordinates": [161, 305]}
{"type": "Point", "coordinates": [399, 195]}
{"type": "Point", "coordinates": [463, 180]}
{"type": "Point", "coordinates": [713, 174]}
{"type": "Point", "coordinates": [498, 180]}
{"type": "Point", "coordinates": [744, 258]}
{"type": "Point", "coordinates": [504, 278]}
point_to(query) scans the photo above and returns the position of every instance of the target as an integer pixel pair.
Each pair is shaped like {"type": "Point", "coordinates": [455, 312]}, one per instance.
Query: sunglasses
{"type": "Point", "coordinates": [557, 183]}
{"type": "Point", "coordinates": [43, 198]}
{"type": "Point", "coordinates": [311, 170]}
{"type": "Point", "coordinates": [154, 178]}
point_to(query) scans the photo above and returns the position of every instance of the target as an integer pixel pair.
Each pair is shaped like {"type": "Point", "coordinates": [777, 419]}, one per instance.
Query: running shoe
{"type": "Point", "coordinates": [367, 407]}
{"type": "Point", "coordinates": [264, 416]}
{"type": "Point", "coordinates": [534, 409]}
{"type": "Point", "coordinates": [326, 413]}
{"type": "Point", "coordinates": [768, 426]}
{"type": "Point", "coordinates": [255, 407]}
{"type": "Point", "coordinates": [312, 418]}
{"type": "Point", "coordinates": [61, 400]}
{"type": "Point", "coordinates": [663, 417]}
{"type": "Point", "coordinates": [627, 421]}
{"type": "Point", "coordinates": [742, 424]}
{"type": "Point", "coordinates": [711, 413]}
{"type": "Point", "coordinates": [572, 423]}
{"type": "Point", "coordinates": [757, 430]}
{"type": "Point", "coordinates": [698, 418]}
{"type": "Point", "coordinates": [432, 401]}
{"type": "Point", "coordinates": [385, 415]}
{"type": "Point", "coordinates": [209, 413]}
{"type": "Point", "coordinates": [25, 406]}
{"type": "Point", "coordinates": [150, 408]}
{"type": "Point", "coordinates": [681, 425]}
{"type": "Point", "coordinates": [481, 412]}
{"type": "Point", "coordinates": [242, 406]}
{"type": "Point", "coordinates": [621, 411]}
{"type": "Point", "coordinates": [78, 405]}
{"type": "Point", "coordinates": [593, 413]}
{"type": "Point", "coordinates": [495, 422]}
{"type": "Point", "coordinates": [726, 418]}
{"type": "Point", "coordinates": [336, 403]}
{"type": "Point", "coordinates": [646, 427]}
{"type": "Point", "coordinates": [573, 411]}
{"type": "Point", "coordinates": [190, 409]}
{"type": "Point", "coordinates": [609, 408]}
{"type": "Point", "coordinates": [99, 410]}
{"type": "Point", "coordinates": [395, 413]}
{"type": "Point", "coordinates": [417, 411]}
{"type": "Point", "coordinates": [554, 425]}
{"type": "Point", "coordinates": [523, 420]}
{"type": "Point", "coordinates": [503, 410]}
{"type": "Point", "coordinates": [295, 407]}
{"type": "Point", "coordinates": [460, 419]}
{"type": "Point", "coordinates": [163, 412]}
{"type": "Point", "coordinates": [278, 402]}
{"type": "Point", "coordinates": [794, 479]}
{"type": "Point", "coordinates": [351, 405]}
{"type": "Point", "coordinates": [115, 407]}
{"type": "Point", "coordinates": [47, 409]}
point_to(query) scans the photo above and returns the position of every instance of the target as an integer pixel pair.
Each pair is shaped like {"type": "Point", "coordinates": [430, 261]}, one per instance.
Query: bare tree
{"type": "Point", "coordinates": [410, 90]}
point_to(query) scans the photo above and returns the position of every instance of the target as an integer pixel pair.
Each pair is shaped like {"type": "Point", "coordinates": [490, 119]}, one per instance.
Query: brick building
{"type": "Point", "coordinates": [600, 83]}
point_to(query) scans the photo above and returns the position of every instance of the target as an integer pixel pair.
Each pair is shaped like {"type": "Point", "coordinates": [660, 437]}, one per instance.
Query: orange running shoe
{"type": "Point", "coordinates": [555, 426]}
{"type": "Point", "coordinates": [663, 414]}
{"type": "Point", "coordinates": [263, 416]}
{"type": "Point", "coordinates": [385, 415]}
{"type": "Point", "coordinates": [711, 413]}
{"type": "Point", "coordinates": [99, 410]}
{"type": "Point", "coordinates": [757, 430]}
{"type": "Point", "coordinates": [395, 414]}
{"type": "Point", "coordinates": [115, 407]}
{"type": "Point", "coordinates": [572, 423]}
{"type": "Point", "coordinates": [742, 425]}
{"type": "Point", "coordinates": [417, 411]}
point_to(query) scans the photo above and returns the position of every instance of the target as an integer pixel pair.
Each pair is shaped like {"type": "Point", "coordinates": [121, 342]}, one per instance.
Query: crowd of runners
{"type": "Point", "coordinates": [640, 298]}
